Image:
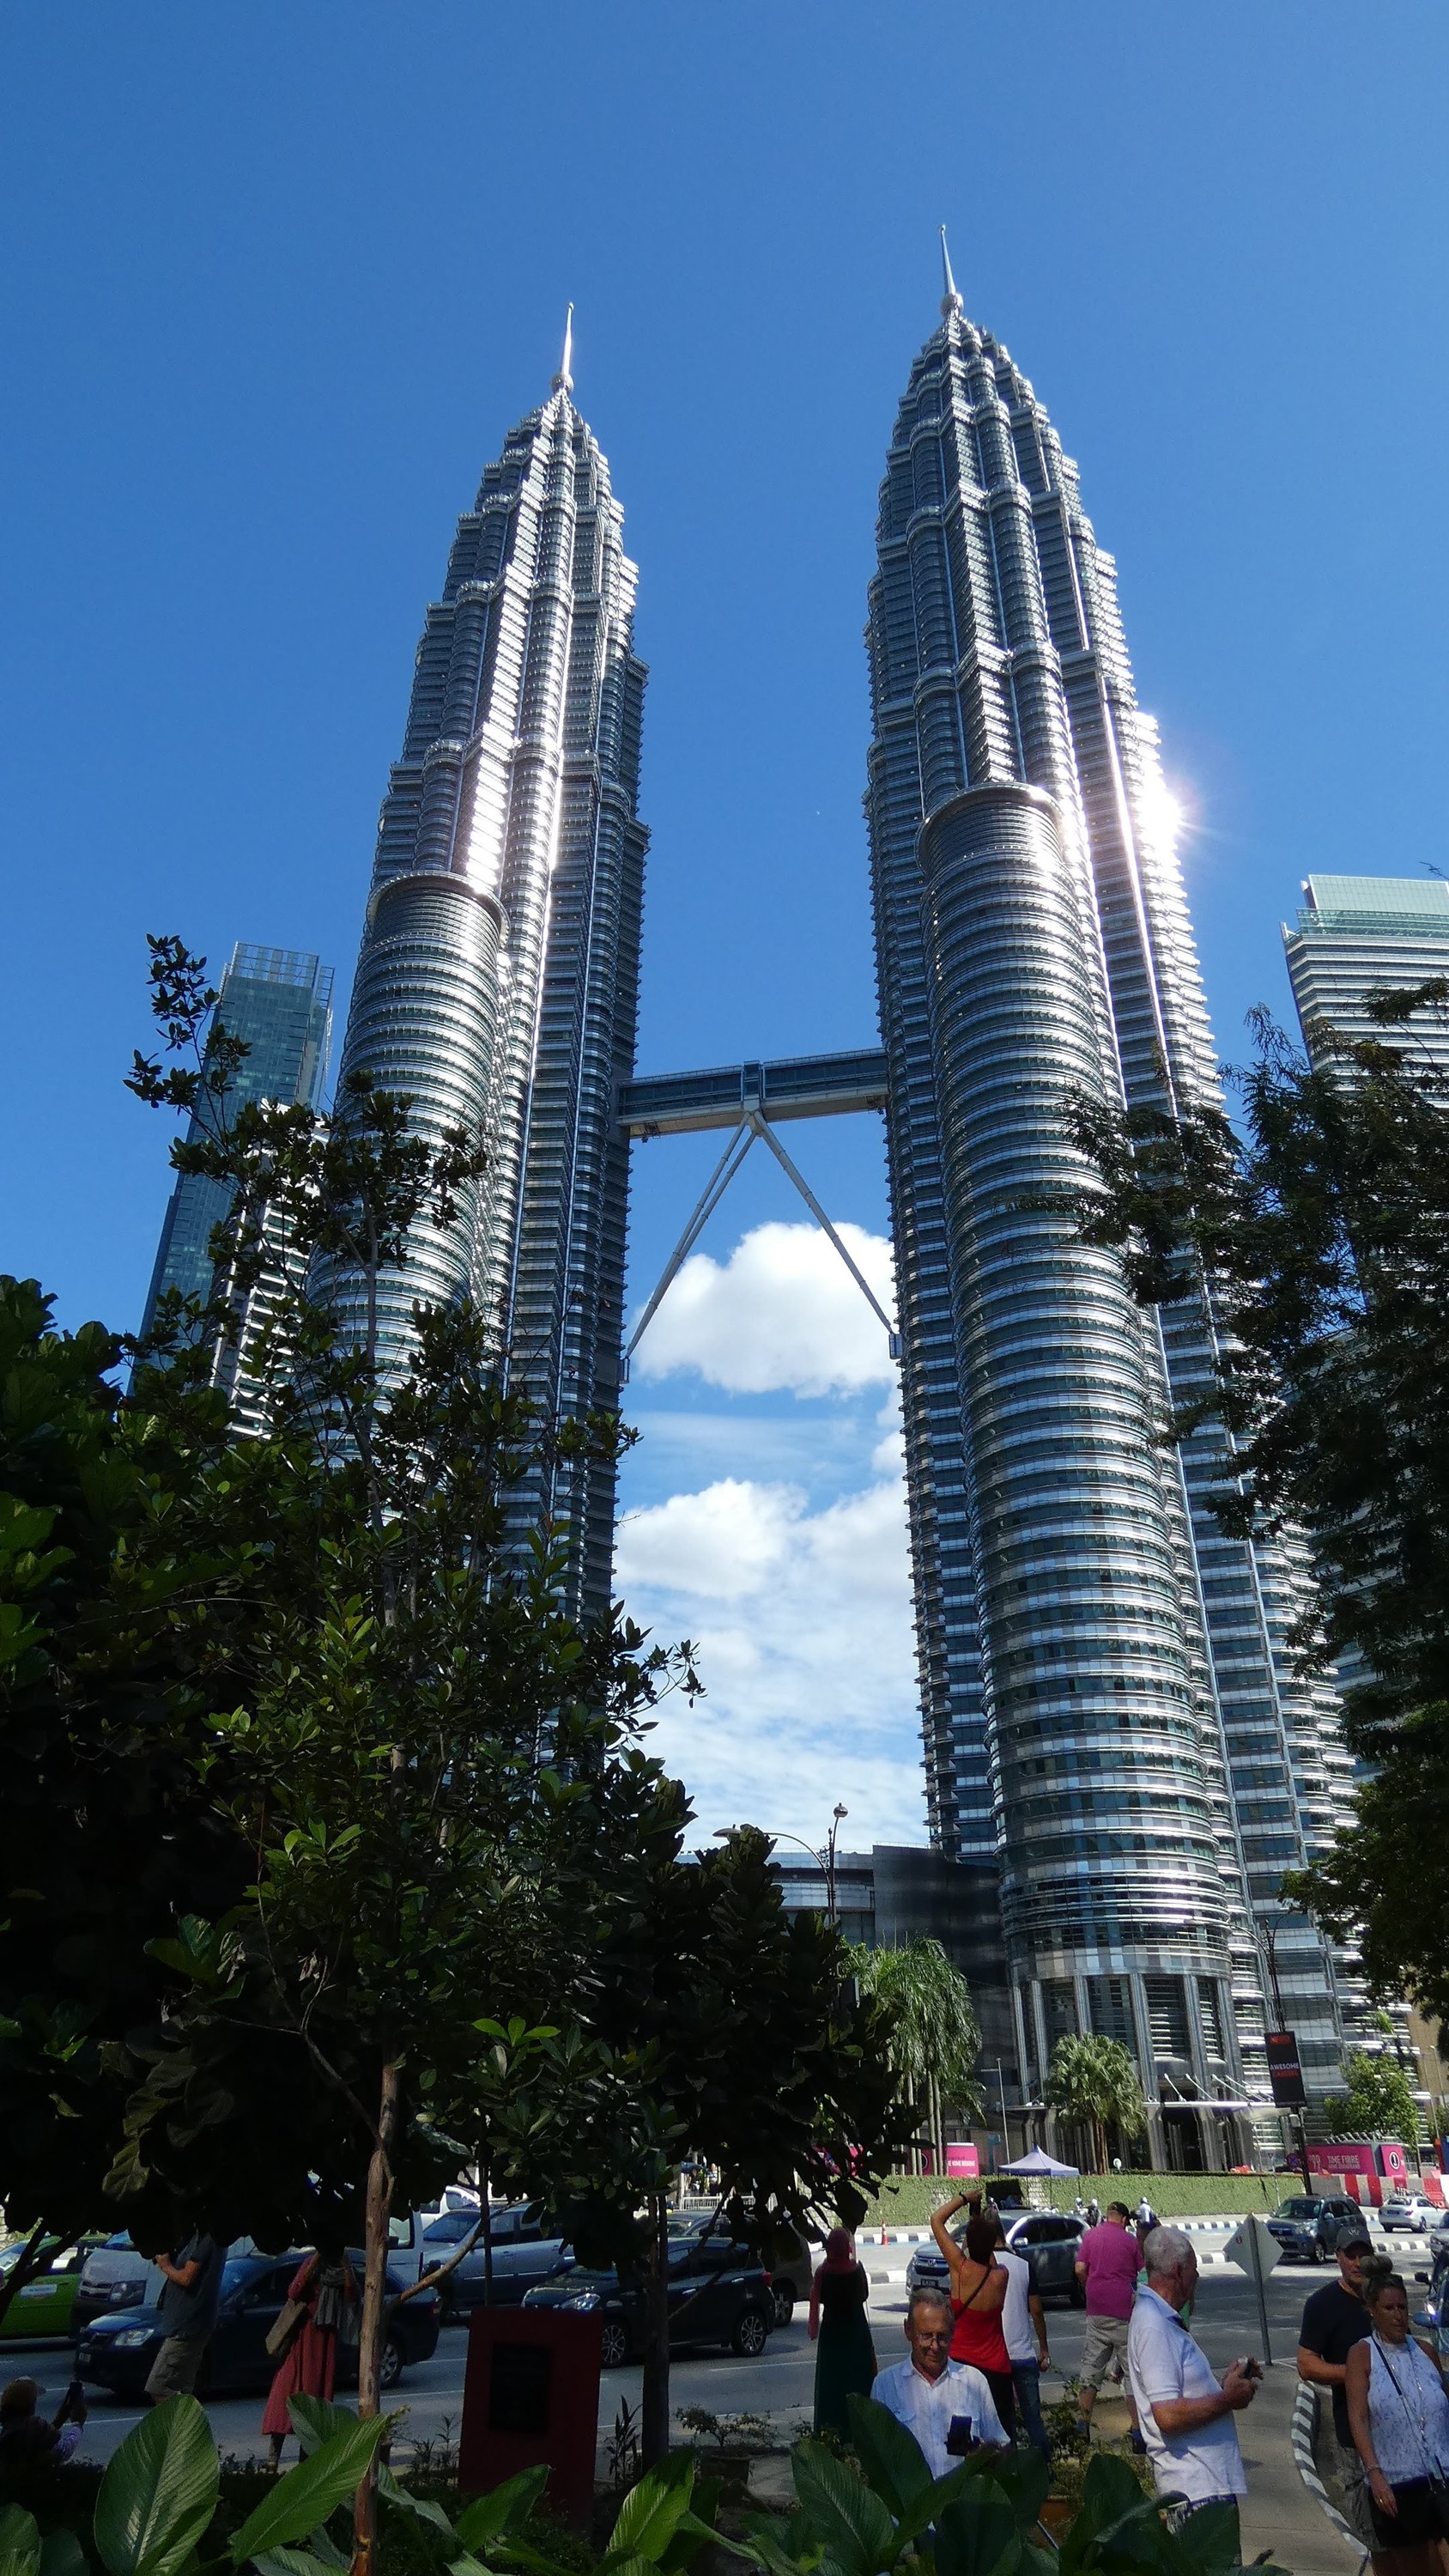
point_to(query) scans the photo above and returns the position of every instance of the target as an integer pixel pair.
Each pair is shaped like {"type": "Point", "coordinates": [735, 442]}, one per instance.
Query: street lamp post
{"type": "Point", "coordinates": [824, 1860]}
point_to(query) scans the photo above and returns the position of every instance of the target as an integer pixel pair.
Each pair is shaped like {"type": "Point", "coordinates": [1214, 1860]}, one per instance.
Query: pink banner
{"type": "Point", "coordinates": [962, 2158]}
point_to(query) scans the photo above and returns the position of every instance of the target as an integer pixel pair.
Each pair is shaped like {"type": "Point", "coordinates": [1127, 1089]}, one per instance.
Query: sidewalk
{"type": "Point", "coordinates": [1279, 2514]}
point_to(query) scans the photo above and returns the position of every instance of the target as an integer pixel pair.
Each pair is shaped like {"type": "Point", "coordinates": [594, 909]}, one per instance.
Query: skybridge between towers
{"type": "Point", "coordinates": [750, 1100]}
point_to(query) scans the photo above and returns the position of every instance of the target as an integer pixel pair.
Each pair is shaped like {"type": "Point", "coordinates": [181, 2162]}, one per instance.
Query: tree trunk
{"type": "Point", "coordinates": [374, 2310]}
{"type": "Point", "coordinates": [484, 2188]}
{"type": "Point", "coordinates": [654, 2402]}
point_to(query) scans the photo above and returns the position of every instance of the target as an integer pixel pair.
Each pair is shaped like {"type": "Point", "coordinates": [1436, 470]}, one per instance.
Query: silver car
{"type": "Point", "coordinates": [1411, 2210]}
{"type": "Point", "coordinates": [1046, 2237]}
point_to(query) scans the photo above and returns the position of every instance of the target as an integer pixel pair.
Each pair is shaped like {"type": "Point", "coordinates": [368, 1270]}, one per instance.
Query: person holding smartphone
{"type": "Point", "coordinates": [1186, 2412]}
{"type": "Point", "coordinates": [944, 2404]}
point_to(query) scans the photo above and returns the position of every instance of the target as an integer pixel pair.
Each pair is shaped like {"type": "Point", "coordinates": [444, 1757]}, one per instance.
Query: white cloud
{"type": "Point", "coordinates": [783, 1311]}
{"type": "Point", "coordinates": [803, 1624]}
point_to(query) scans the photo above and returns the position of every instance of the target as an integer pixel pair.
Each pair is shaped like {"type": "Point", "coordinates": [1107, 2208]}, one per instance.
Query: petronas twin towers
{"type": "Point", "coordinates": [1111, 1716]}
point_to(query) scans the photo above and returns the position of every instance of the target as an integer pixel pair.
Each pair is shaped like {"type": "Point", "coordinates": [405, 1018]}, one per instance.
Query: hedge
{"type": "Point", "coordinates": [906, 2200]}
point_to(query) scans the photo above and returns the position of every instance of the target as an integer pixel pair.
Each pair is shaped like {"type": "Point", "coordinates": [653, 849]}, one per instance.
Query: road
{"type": "Point", "coordinates": [780, 2384]}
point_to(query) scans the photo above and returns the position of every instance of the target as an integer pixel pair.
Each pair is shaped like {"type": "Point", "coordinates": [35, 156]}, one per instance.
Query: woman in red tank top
{"type": "Point", "coordinates": [978, 2294]}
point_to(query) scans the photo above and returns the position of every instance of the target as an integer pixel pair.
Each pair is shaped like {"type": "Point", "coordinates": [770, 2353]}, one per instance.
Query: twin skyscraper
{"type": "Point", "coordinates": [1113, 1722]}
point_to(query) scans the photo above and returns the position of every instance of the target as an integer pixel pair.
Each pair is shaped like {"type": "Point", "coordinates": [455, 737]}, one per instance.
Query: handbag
{"type": "Point", "coordinates": [287, 2328]}
{"type": "Point", "coordinates": [1436, 2480]}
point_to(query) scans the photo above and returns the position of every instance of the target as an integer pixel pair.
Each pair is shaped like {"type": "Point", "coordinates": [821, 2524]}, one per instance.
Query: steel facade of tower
{"type": "Point", "coordinates": [280, 1002]}
{"type": "Point", "coordinates": [498, 978]}
{"type": "Point", "coordinates": [1108, 1700]}
{"type": "Point", "coordinates": [1360, 935]}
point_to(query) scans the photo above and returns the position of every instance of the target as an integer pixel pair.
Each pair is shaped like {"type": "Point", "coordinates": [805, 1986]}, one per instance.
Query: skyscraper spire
{"type": "Point", "coordinates": [950, 301]}
{"type": "Point", "coordinates": [563, 382]}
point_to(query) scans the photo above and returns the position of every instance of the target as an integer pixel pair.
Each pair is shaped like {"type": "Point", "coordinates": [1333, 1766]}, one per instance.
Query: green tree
{"type": "Point", "coordinates": [1379, 2102]}
{"type": "Point", "coordinates": [105, 1834]}
{"type": "Point", "coordinates": [1092, 2082]}
{"type": "Point", "coordinates": [1322, 1221]}
{"type": "Point", "coordinates": [737, 2038]}
{"type": "Point", "coordinates": [934, 2037]}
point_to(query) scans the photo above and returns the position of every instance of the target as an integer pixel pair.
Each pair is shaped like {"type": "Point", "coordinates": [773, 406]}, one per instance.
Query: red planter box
{"type": "Point", "coordinates": [531, 2393]}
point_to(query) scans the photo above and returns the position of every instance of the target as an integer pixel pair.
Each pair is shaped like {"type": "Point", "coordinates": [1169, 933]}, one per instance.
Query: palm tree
{"type": "Point", "coordinates": [1093, 2080]}
{"type": "Point", "coordinates": [935, 2038]}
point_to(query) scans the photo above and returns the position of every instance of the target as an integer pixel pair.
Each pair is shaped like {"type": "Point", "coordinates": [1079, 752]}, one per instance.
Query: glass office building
{"type": "Point", "coordinates": [280, 1001]}
{"type": "Point", "coordinates": [497, 983]}
{"type": "Point", "coordinates": [1110, 1706]}
{"type": "Point", "coordinates": [1359, 935]}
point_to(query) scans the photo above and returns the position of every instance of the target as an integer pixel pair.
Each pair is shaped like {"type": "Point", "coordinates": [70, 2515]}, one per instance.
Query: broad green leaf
{"type": "Point", "coordinates": [506, 2508]}
{"type": "Point", "coordinates": [1209, 2538]}
{"type": "Point", "coordinates": [19, 2542]}
{"type": "Point", "coordinates": [1024, 2478]}
{"type": "Point", "coordinates": [631, 2564]}
{"type": "Point", "coordinates": [851, 2521]}
{"type": "Point", "coordinates": [425, 2509]}
{"type": "Point", "coordinates": [651, 2513]}
{"type": "Point", "coordinates": [891, 2457]}
{"type": "Point", "coordinates": [291, 2562]}
{"type": "Point", "coordinates": [977, 2535]}
{"type": "Point", "coordinates": [62, 2555]}
{"type": "Point", "coordinates": [301, 2501]}
{"type": "Point", "coordinates": [928, 2508]}
{"type": "Point", "coordinates": [314, 2421]}
{"type": "Point", "coordinates": [159, 2493]}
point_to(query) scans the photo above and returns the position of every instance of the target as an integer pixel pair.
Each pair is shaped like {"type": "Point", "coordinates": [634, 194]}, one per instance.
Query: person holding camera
{"type": "Point", "coordinates": [1185, 2411]}
{"type": "Point", "coordinates": [944, 2404]}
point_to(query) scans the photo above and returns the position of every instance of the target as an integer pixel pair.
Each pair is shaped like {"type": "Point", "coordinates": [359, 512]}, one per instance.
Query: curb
{"type": "Point", "coordinates": [1301, 2437]}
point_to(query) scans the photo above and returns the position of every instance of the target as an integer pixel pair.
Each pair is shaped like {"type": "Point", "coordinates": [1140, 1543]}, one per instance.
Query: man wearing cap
{"type": "Point", "coordinates": [1334, 2320]}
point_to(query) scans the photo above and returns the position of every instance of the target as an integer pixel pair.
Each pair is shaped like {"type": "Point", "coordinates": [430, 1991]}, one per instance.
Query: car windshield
{"type": "Point", "coordinates": [1296, 2209]}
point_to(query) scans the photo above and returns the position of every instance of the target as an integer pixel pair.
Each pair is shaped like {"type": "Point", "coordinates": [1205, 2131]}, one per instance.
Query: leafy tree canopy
{"type": "Point", "coordinates": [1379, 2102]}
{"type": "Point", "coordinates": [1093, 2081]}
{"type": "Point", "coordinates": [1322, 1222]}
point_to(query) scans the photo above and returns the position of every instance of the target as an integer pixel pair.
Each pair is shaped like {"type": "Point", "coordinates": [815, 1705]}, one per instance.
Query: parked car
{"type": "Point", "coordinates": [113, 2276]}
{"type": "Point", "coordinates": [117, 2352]}
{"type": "Point", "coordinates": [1307, 2226]}
{"type": "Point", "coordinates": [522, 2258]}
{"type": "Point", "coordinates": [719, 2293]}
{"type": "Point", "coordinates": [787, 2258]}
{"type": "Point", "coordinates": [41, 2310]}
{"type": "Point", "coordinates": [1049, 2241]}
{"type": "Point", "coordinates": [1412, 2211]}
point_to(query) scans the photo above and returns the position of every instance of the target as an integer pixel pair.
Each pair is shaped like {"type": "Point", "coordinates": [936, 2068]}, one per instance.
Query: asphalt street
{"type": "Point", "coordinates": [780, 2384]}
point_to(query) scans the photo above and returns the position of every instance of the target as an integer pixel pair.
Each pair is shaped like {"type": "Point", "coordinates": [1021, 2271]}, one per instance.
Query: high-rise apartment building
{"type": "Point", "coordinates": [1110, 1704]}
{"type": "Point", "coordinates": [498, 978]}
{"type": "Point", "coordinates": [280, 1001]}
{"type": "Point", "coordinates": [1359, 935]}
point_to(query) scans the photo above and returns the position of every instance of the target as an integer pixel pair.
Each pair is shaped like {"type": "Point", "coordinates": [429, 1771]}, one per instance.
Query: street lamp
{"type": "Point", "coordinates": [824, 1860]}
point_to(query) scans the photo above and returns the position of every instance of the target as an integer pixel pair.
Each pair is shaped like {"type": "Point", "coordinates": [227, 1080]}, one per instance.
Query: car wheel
{"type": "Point", "coordinates": [1320, 2250]}
{"type": "Point", "coordinates": [783, 2295]}
{"type": "Point", "coordinates": [750, 2335]}
{"type": "Point", "coordinates": [614, 2344]}
{"type": "Point", "coordinates": [393, 2358]}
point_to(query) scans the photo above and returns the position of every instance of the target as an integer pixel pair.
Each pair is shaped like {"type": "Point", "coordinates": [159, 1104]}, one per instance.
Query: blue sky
{"type": "Point", "coordinates": [276, 283]}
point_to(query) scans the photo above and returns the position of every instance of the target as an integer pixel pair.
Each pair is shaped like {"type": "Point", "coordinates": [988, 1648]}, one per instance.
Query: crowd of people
{"type": "Point", "coordinates": [977, 2346]}
{"type": "Point", "coordinates": [321, 2313]}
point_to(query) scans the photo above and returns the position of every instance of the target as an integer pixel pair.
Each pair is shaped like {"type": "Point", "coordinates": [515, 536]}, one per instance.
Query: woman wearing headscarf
{"type": "Point", "coordinates": [308, 2368]}
{"type": "Point", "coordinates": [840, 2332]}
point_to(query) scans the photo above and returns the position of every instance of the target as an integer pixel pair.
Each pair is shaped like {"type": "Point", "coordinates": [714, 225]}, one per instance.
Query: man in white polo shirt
{"type": "Point", "coordinates": [930, 2392]}
{"type": "Point", "coordinates": [1185, 2410]}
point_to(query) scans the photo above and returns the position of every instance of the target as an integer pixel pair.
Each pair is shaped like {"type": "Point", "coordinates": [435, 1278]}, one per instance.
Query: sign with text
{"type": "Point", "coordinates": [1284, 2072]}
{"type": "Point", "coordinates": [963, 2158]}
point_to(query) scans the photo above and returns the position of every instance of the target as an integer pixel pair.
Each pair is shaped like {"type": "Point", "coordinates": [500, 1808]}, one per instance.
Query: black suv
{"type": "Point", "coordinates": [719, 2293]}
{"type": "Point", "coordinates": [1307, 2226]}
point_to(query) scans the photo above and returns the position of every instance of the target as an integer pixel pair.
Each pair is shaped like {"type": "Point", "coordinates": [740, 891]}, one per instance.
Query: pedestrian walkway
{"type": "Point", "coordinates": [1279, 2515]}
